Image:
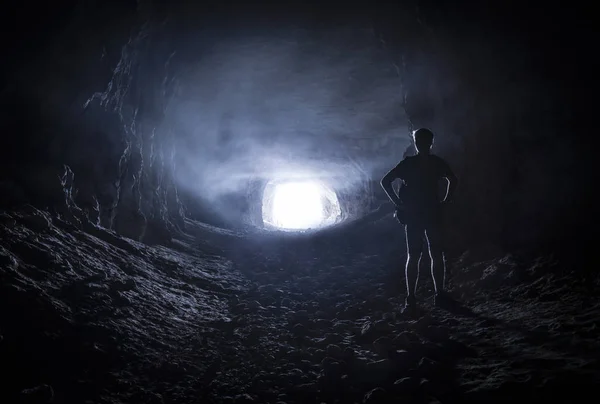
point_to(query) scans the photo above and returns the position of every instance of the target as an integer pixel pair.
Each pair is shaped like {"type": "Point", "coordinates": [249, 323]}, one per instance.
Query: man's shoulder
{"type": "Point", "coordinates": [438, 159]}
{"type": "Point", "coordinates": [406, 159]}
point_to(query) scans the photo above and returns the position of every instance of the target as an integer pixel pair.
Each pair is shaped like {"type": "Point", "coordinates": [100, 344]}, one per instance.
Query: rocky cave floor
{"type": "Point", "coordinates": [90, 317]}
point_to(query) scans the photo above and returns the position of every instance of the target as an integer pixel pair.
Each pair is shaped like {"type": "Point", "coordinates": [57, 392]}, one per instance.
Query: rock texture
{"type": "Point", "coordinates": [90, 316]}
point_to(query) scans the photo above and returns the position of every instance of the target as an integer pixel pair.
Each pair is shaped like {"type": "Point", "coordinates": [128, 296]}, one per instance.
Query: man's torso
{"type": "Point", "coordinates": [421, 175]}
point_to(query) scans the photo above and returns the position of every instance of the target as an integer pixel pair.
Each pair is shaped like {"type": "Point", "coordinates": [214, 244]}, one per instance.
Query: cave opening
{"type": "Point", "coordinates": [299, 205]}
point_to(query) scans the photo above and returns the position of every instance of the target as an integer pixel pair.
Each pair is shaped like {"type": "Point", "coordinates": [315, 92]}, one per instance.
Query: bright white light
{"type": "Point", "coordinates": [300, 205]}
{"type": "Point", "coordinates": [297, 205]}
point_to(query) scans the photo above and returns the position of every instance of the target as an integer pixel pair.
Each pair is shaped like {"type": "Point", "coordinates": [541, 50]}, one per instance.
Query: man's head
{"type": "Point", "coordinates": [423, 140]}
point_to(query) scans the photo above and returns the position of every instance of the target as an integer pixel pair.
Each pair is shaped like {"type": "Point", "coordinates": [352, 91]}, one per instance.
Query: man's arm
{"type": "Point", "coordinates": [386, 184]}
{"type": "Point", "coordinates": [452, 182]}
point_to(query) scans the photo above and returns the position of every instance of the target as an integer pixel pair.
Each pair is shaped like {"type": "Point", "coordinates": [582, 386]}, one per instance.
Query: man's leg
{"type": "Point", "coordinates": [414, 248]}
{"type": "Point", "coordinates": [436, 252]}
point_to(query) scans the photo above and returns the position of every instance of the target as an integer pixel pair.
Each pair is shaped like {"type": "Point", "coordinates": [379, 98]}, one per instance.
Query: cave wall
{"type": "Point", "coordinates": [85, 121]}
{"type": "Point", "coordinates": [89, 134]}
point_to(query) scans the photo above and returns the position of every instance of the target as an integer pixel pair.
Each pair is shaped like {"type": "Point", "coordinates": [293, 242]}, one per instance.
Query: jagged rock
{"type": "Point", "coordinates": [380, 368]}
{"type": "Point", "coordinates": [341, 325]}
{"type": "Point", "coordinates": [377, 395]}
{"type": "Point", "coordinates": [323, 323]}
{"type": "Point", "coordinates": [124, 285]}
{"type": "Point", "coordinates": [437, 333]}
{"type": "Point", "coordinates": [425, 385]}
{"type": "Point", "coordinates": [383, 346]}
{"type": "Point", "coordinates": [421, 324]}
{"type": "Point", "coordinates": [404, 340]}
{"type": "Point", "coordinates": [300, 330]}
{"type": "Point", "coordinates": [349, 353]}
{"type": "Point", "coordinates": [389, 316]}
{"type": "Point", "coordinates": [254, 305]}
{"type": "Point", "coordinates": [296, 375]}
{"type": "Point", "coordinates": [307, 388]}
{"type": "Point", "coordinates": [243, 398]}
{"type": "Point", "coordinates": [407, 385]}
{"type": "Point", "coordinates": [433, 400]}
{"type": "Point", "coordinates": [36, 219]}
{"type": "Point", "coordinates": [155, 232]}
{"type": "Point", "coordinates": [41, 394]}
{"type": "Point", "coordinates": [7, 260]}
{"type": "Point", "coordinates": [300, 316]}
{"type": "Point", "coordinates": [332, 369]}
{"type": "Point", "coordinates": [130, 223]}
{"type": "Point", "coordinates": [428, 368]}
{"type": "Point", "coordinates": [334, 351]}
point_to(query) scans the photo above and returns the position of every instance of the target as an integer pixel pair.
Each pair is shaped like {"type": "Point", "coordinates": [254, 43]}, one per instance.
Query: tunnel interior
{"type": "Point", "coordinates": [192, 207]}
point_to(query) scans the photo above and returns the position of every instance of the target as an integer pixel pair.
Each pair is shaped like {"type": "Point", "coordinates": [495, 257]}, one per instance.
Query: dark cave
{"type": "Point", "coordinates": [148, 252]}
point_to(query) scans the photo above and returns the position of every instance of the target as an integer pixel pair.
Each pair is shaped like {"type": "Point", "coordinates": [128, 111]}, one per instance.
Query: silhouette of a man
{"type": "Point", "coordinates": [421, 209]}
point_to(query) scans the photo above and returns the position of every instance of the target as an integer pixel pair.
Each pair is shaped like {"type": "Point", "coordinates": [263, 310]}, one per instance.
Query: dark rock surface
{"type": "Point", "coordinates": [97, 318]}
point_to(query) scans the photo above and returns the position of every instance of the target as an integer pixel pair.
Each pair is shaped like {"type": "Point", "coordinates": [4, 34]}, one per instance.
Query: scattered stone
{"type": "Point", "coordinates": [383, 346]}
{"type": "Point", "coordinates": [267, 301]}
{"type": "Point", "coordinates": [330, 338]}
{"type": "Point", "coordinates": [349, 353]}
{"type": "Point", "coordinates": [421, 324]}
{"type": "Point", "coordinates": [373, 330]}
{"type": "Point", "coordinates": [377, 395]}
{"type": "Point", "coordinates": [389, 316]}
{"type": "Point", "coordinates": [253, 336]}
{"type": "Point", "coordinates": [383, 326]}
{"type": "Point", "coordinates": [7, 260]}
{"type": "Point", "coordinates": [124, 285]}
{"type": "Point", "coordinates": [327, 360]}
{"type": "Point", "coordinates": [437, 333]}
{"type": "Point", "coordinates": [333, 370]}
{"type": "Point", "coordinates": [407, 385]}
{"type": "Point", "coordinates": [36, 220]}
{"type": "Point", "coordinates": [305, 365]}
{"type": "Point", "coordinates": [38, 395]}
{"type": "Point", "coordinates": [334, 351]}
{"type": "Point", "coordinates": [322, 323]}
{"type": "Point", "coordinates": [243, 398]}
{"type": "Point", "coordinates": [307, 388]}
{"type": "Point", "coordinates": [300, 330]}
{"type": "Point", "coordinates": [379, 367]}
{"type": "Point", "coordinates": [403, 340]}
{"type": "Point", "coordinates": [255, 305]}
{"type": "Point", "coordinates": [433, 400]}
{"type": "Point", "coordinates": [317, 354]}
{"type": "Point", "coordinates": [295, 372]}
{"type": "Point", "coordinates": [424, 384]}
{"type": "Point", "coordinates": [403, 360]}
{"type": "Point", "coordinates": [267, 289]}
{"type": "Point", "coordinates": [451, 322]}
{"type": "Point", "coordinates": [428, 367]}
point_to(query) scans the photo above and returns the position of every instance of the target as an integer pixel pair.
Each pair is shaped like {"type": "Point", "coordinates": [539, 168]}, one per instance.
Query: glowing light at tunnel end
{"type": "Point", "coordinates": [300, 205]}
